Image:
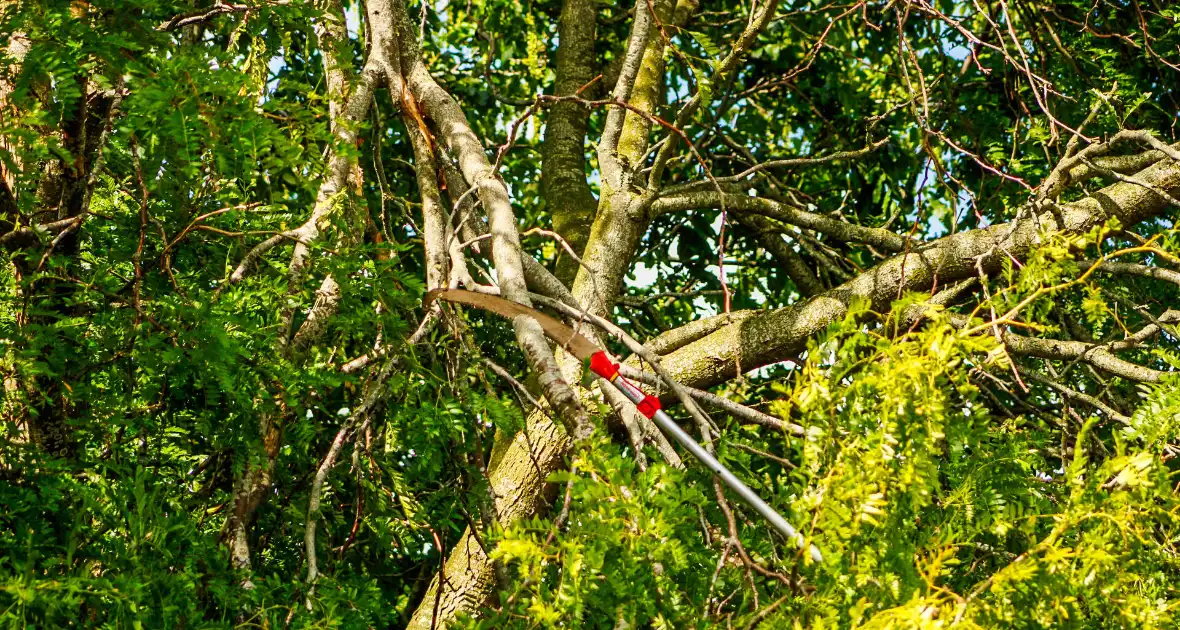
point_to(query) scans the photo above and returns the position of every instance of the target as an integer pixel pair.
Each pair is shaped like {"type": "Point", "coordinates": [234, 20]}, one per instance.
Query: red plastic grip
{"type": "Point", "coordinates": [601, 365]}
{"type": "Point", "coordinates": [648, 406]}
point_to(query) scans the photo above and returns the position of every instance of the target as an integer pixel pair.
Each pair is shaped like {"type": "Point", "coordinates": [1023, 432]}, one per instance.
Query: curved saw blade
{"type": "Point", "coordinates": [566, 337]}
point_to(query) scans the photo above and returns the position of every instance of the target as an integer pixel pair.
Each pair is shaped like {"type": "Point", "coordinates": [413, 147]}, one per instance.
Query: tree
{"type": "Point", "coordinates": [917, 259]}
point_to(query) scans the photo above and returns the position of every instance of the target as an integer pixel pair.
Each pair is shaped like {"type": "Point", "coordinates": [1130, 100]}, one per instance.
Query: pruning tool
{"type": "Point", "coordinates": [601, 364]}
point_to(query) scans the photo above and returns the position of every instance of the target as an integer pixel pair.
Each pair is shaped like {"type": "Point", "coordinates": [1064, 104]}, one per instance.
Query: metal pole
{"type": "Point", "coordinates": [668, 426]}
{"type": "Point", "coordinates": [601, 364]}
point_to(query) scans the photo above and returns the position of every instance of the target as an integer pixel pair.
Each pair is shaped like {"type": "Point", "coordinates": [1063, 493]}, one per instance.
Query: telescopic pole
{"type": "Point", "coordinates": [649, 406]}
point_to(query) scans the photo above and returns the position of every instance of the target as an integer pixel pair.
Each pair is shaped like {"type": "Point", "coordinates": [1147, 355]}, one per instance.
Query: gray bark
{"type": "Point", "coordinates": [770, 336]}
{"type": "Point", "coordinates": [563, 151]}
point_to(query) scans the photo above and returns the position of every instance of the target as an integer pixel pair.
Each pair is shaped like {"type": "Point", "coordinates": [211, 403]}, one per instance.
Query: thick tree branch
{"type": "Point", "coordinates": [641, 30]}
{"type": "Point", "coordinates": [1144, 271]}
{"type": "Point", "coordinates": [1080, 165]}
{"type": "Point", "coordinates": [563, 151]}
{"type": "Point", "coordinates": [771, 336]}
{"type": "Point", "coordinates": [698, 329]}
{"type": "Point", "coordinates": [519, 475]}
{"type": "Point", "coordinates": [1099, 355]}
{"type": "Point", "coordinates": [250, 488]}
{"type": "Point", "coordinates": [434, 215]}
{"type": "Point", "coordinates": [506, 252]}
{"type": "Point", "coordinates": [622, 215]}
{"type": "Point", "coordinates": [617, 227]}
{"type": "Point", "coordinates": [28, 236]}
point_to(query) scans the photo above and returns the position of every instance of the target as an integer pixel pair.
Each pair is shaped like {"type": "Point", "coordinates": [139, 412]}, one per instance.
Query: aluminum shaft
{"type": "Point", "coordinates": [669, 427]}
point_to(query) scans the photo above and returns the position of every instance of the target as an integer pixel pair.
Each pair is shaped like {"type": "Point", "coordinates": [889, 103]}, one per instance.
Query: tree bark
{"type": "Point", "coordinates": [563, 151]}
{"type": "Point", "coordinates": [518, 476]}
{"type": "Point", "coordinates": [793, 264]}
{"type": "Point", "coordinates": [250, 489]}
{"type": "Point", "coordinates": [623, 215]}
{"type": "Point", "coordinates": [710, 351]}
{"type": "Point", "coordinates": [772, 336]}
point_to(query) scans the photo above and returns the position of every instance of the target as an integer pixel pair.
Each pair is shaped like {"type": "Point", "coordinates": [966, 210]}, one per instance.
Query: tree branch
{"type": "Point", "coordinates": [335, 177]}
{"type": "Point", "coordinates": [760, 17]}
{"type": "Point", "coordinates": [1099, 355]}
{"type": "Point", "coordinates": [1073, 394]}
{"type": "Point", "coordinates": [219, 8]}
{"type": "Point", "coordinates": [608, 145]}
{"type": "Point", "coordinates": [1133, 269]}
{"type": "Point", "coordinates": [733, 201]}
{"type": "Point", "coordinates": [564, 186]}
{"type": "Point", "coordinates": [771, 336]}
{"type": "Point", "coordinates": [773, 164]}
{"type": "Point", "coordinates": [793, 264]}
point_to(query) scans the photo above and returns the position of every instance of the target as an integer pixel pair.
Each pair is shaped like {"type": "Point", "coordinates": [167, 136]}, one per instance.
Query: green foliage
{"type": "Point", "coordinates": [929, 510]}
{"type": "Point", "coordinates": [945, 481]}
{"type": "Point", "coordinates": [628, 532]}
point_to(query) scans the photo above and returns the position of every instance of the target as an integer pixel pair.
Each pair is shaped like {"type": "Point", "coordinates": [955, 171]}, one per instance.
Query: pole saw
{"type": "Point", "coordinates": [585, 350]}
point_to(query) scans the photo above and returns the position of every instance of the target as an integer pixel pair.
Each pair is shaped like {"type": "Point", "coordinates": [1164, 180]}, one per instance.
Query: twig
{"type": "Point", "coordinates": [753, 451]}
{"type": "Point", "coordinates": [565, 506]}
{"type": "Point", "coordinates": [219, 8]}
{"type": "Point", "coordinates": [737, 410]}
{"type": "Point", "coordinates": [193, 224]}
{"type": "Point", "coordinates": [783, 163]}
{"type": "Point", "coordinates": [504, 374]}
{"type": "Point", "coordinates": [1076, 395]}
